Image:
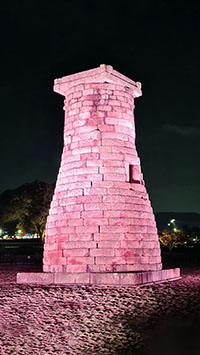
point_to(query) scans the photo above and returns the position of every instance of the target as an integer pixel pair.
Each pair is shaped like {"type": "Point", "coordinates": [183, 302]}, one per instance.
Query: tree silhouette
{"type": "Point", "coordinates": [172, 239]}
{"type": "Point", "coordinates": [27, 207]}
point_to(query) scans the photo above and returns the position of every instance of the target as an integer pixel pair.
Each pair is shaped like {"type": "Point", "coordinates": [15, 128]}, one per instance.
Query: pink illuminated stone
{"type": "Point", "coordinates": [98, 277]}
{"type": "Point", "coordinates": [100, 219]}
{"type": "Point", "coordinates": [108, 212]}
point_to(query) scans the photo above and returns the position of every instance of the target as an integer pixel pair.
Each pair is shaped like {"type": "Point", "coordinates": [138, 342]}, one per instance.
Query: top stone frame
{"type": "Point", "coordinates": [103, 74]}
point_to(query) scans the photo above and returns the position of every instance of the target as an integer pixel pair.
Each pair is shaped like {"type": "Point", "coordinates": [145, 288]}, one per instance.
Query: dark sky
{"type": "Point", "coordinates": [154, 42]}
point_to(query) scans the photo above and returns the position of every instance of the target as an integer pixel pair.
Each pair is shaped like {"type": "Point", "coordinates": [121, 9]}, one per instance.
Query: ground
{"type": "Point", "coordinates": [157, 319]}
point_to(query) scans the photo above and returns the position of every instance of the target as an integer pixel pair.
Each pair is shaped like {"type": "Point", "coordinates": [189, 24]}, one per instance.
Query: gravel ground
{"type": "Point", "coordinates": [158, 319]}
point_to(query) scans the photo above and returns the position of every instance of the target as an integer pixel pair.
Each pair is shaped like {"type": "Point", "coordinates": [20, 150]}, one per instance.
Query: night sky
{"type": "Point", "coordinates": [154, 42]}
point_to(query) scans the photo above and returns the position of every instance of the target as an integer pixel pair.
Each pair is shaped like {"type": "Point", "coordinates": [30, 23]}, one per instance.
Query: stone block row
{"type": "Point", "coordinates": [131, 279]}
{"type": "Point", "coordinates": [95, 256]}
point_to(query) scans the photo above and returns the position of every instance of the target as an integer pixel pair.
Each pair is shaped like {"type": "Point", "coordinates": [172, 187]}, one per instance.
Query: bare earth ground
{"type": "Point", "coordinates": [158, 319]}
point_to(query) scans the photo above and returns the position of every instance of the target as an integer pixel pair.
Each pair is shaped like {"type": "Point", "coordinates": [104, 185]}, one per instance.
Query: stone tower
{"type": "Point", "coordinates": [101, 227]}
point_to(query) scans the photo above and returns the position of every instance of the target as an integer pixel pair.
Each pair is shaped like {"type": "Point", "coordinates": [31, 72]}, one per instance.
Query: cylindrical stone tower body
{"type": "Point", "coordinates": [100, 218]}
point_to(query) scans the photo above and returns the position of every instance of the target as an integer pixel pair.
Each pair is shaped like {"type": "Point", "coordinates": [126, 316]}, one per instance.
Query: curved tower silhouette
{"type": "Point", "coordinates": [101, 227]}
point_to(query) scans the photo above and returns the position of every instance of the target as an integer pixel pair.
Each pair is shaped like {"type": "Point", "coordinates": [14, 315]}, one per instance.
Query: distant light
{"type": "Point", "coordinates": [19, 231]}
{"type": "Point", "coordinates": [175, 230]}
{"type": "Point", "coordinates": [172, 220]}
{"type": "Point", "coordinates": [168, 224]}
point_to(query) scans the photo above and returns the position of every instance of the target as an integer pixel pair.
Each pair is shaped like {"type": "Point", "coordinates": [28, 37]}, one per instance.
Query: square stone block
{"type": "Point", "coordinates": [40, 278]}
{"type": "Point", "coordinates": [130, 278]}
{"type": "Point", "coordinates": [105, 279]}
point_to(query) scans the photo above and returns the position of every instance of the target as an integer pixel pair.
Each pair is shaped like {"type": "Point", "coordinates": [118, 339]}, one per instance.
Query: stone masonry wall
{"type": "Point", "coordinates": [100, 217]}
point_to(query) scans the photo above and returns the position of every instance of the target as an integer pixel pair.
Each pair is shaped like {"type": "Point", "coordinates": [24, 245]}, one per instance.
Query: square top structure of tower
{"type": "Point", "coordinates": [104, 73]}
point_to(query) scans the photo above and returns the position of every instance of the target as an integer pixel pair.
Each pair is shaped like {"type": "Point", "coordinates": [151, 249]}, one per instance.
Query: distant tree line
{"type": "Point", "coordinates": [26, 208]}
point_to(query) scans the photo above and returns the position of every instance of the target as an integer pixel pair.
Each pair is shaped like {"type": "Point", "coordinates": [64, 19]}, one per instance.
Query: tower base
{"type": "Point", "coordinates": [94, 278]}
